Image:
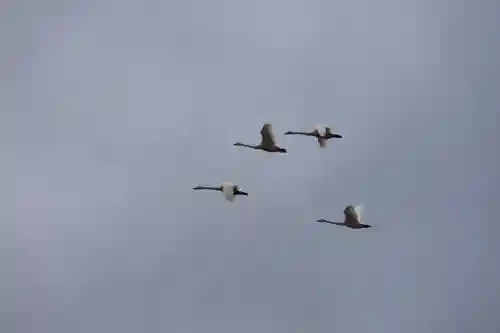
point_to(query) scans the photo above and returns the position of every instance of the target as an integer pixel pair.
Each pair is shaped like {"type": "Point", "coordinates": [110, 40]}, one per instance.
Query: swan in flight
{"type": "Point", "coordinates": [322, 133]}
{"type": "Point", "coordinates": [353, 216]}
{"type": "Point", "coordinates": [267, 142]}
{"type": "Point", "coordinates": [228, 189]}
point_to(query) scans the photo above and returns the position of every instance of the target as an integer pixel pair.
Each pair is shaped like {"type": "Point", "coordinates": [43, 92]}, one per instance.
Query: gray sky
{"type": "Point", "coordinates": [111, 111]}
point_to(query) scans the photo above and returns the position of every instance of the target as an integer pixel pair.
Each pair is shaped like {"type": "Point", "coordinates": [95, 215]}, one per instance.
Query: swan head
{"type": "Point", "coordinates": [239, 191]}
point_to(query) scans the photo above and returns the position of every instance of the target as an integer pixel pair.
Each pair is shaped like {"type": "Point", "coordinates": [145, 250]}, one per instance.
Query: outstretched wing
{"type": "Point", "coordinates": [359, 209]}
{"type": "Point", "coordinates": [351, 217]}
{"type": "Point", "coordinates": [321, 142]}
{"type": "Point", "coordinates": [319, 130]}
{"type": "Point", "coordinates": [228, 190]}
{"type": "Point", "coordinates": [267, 135]}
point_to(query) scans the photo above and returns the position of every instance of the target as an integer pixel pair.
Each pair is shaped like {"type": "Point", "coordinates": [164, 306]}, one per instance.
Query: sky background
{"type": "Point", "coordinates": [111, 111]}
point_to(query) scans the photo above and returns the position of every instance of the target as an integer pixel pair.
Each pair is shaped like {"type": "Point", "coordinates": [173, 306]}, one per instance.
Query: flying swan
{"type": "Point", "coordinates": [267, 142]}
{"type": "Point", "coordinates": [353, 216]}
{"type": "Point", "coordinates": [228, 189]}
{"type": "Point", "coordinates": [321, 133]}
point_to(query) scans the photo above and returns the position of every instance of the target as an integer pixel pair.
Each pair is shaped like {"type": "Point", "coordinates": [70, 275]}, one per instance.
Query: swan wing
{"type": "Point", "coordinates": [320, 130]}
{"type": "Point", "coordinates": [322, 142]}
{"type": "Point", "coordinates": [229, 196]}
{"type": "Point", "coordinates": [350, 216]}
{"type": "Point", "coordinates": [228, 191]}
{"type": "Point", "coordinates": [227, 184]}
{"type": "Point", "coordinates": [359, 209]}
{"type": "Point", "coordinates": [267, 135]}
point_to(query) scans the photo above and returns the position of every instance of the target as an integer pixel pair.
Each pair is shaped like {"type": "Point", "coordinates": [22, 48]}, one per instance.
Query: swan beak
{"type": "Point", "coordinates": [242, 193]}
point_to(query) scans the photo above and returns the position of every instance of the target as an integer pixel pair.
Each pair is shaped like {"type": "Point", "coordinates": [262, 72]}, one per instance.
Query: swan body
{"type": "Point", "coordinates": [228, 189]}
{"type": "Point", "coordinates": [352, 218]}
{"type": "Point", "coordinates": [321, 133]}
{"type": "Point", "coordinates": [267, 142]}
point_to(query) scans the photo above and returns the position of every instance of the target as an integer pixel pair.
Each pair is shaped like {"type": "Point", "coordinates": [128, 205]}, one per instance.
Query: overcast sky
{"type": "Point", "coordinates": [111, 111]}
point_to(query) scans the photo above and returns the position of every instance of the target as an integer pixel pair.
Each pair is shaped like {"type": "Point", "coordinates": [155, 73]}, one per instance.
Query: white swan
{"type": "Point", "coordinates": [352, 218]}
{"type": "Point", "coordinates": [321, 133]}
{"type": "Point", "coordinates": [267, 142]}
{"type": "Point", "coordinates": [228, 189]}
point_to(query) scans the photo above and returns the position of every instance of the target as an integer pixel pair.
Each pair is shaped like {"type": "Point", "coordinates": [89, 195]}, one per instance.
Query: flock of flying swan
{"type": "Point", "coordinates": [352, 214]}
